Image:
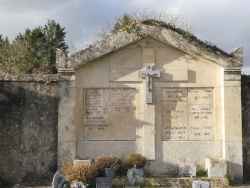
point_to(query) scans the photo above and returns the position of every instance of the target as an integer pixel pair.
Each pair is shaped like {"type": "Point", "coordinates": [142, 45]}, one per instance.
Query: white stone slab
{"type": "Point", "coordinates": [124, 75]}
{"type": "Point", "coordinates": [201, 113]}
{"type": "Point", "coordinates": [174, 114]}
{"type": "Point", "coordinates": [126, 59]}
{"type": "Point", "coordinates": [109, 114]}
{"type": "Point", "coordinates": [187, 114]}
{"type": "Point", "coordinates": [200, 184]}
{"type": "Point", "coordinates": [175, 75]}
{"type": "Point", "coordinates": [216, 168]}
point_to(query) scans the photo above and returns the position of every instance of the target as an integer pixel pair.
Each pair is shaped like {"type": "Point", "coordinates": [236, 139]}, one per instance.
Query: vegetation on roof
{"type": "Point", "coordinates": [130, 23]}
{"type": "Point", "coordinates": [188, 35]}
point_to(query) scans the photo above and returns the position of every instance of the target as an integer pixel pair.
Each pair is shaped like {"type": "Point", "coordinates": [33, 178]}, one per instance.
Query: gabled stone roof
{"type": "Point", "coordinates": [165, 35]}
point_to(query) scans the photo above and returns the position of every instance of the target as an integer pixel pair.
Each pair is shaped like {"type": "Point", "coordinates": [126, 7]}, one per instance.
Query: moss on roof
{"type": "Point", "coordinates": [204, 44]}
{"type": "Point", "coordinates": [128, 31]}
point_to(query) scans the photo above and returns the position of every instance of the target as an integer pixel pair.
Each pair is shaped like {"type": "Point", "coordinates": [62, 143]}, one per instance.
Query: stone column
{"type": "Point", "coordinates": [232, 128]}
{"type": "Point", "coordinates": [149, 112]}
{"type": "Point", "coordinates": [66, 115]}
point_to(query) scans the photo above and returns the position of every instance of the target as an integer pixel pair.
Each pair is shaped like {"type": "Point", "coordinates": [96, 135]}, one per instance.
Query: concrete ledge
{"type": "Point", "coordinates": [166, 181]}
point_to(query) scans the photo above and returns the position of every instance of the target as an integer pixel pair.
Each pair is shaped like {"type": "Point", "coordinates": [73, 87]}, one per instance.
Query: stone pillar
{"type": "Point", "coordinates": [149, 112]}
{"type": "Point", "coordinates": [66, 115]}
{"type": "Point", "coordinates": [232, 128]}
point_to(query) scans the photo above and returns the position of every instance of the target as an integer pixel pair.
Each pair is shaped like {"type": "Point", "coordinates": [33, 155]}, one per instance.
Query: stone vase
{"type": "Point", "coordinates": [110, 172]}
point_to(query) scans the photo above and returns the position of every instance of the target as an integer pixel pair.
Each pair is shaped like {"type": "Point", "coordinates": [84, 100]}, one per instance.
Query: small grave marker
{"type": "Point", "coordinates": [201, 184]}
{"type": "Point", "coordinates": [103, 182]}
{"type": "Point", "coordinates": [59, 181]}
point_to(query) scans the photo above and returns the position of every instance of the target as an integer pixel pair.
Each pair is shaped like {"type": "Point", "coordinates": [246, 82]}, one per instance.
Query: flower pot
{"type": "Point", "coordinates": [139, 173]}
{"type": "Point", "coordinates": [110, 172]}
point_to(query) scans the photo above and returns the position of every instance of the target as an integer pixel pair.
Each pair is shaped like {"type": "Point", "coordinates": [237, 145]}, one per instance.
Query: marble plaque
{"type": "Point", "coordinates": [109, 114]}
{"type": "Point", "coordinates": [187, 113]}
{"type": "Point", "coordinates": [200, 114]}
{"type": "Point", "coordinates": [174, 114]}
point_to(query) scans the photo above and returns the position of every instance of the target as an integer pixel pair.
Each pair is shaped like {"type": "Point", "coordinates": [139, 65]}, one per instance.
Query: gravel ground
{"type": "Point", "coordinates": [176, 186]}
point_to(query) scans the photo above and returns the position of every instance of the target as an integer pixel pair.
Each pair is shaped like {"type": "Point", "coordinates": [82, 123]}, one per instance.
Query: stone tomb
{"type": "Point", "coordinates": [158, 95]}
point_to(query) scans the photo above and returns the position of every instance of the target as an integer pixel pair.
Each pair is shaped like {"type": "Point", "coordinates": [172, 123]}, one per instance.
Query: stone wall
{"type": "Point", "coordinates": [28, 121]}
{"type": "Point", "coordinates": [245, 94]}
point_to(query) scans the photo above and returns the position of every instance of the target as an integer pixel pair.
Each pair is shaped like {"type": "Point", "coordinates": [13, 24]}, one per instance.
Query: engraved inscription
{"type": "Point", "coordinates": [187, 114]}
{"type": "Point", "coordinates": [108, 111]}
{"type": "Point", "coordinates": [201, 113]}
{"type": "Point", "coordinates": [174, 114]}
{"type": "Point", "coordinates": [96, 109]}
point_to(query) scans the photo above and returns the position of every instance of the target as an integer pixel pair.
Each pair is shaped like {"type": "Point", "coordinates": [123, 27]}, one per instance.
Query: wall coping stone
{"type": "Point", "coordinates": [47, 78]}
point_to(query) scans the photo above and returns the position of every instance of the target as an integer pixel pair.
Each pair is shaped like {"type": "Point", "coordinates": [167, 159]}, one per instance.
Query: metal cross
{"type": "Point", "coordinates": [149, 74]}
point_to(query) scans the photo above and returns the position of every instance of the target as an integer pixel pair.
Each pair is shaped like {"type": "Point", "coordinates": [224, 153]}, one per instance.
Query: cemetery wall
{"type": "Point", "coordinates": [28, 121]}
{"type": "Point", "coordinates": [245, 94]}
{"type": "Point", "coordinates": [29, 118]}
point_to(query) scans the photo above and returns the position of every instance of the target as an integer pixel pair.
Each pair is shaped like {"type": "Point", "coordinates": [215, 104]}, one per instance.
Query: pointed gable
{"type": "Point", "coordinates": [188, 44]}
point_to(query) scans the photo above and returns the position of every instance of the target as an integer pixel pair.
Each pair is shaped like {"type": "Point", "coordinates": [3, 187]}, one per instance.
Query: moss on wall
{"type": "Point", "coordinates": [245, 96]}
{"type": "Point", "coordinates": [28, 129]}
{"type": "Point", "coordinates": [28, 136]}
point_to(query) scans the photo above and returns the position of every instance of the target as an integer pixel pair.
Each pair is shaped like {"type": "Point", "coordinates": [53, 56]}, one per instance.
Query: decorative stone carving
{"type": "Point", "coordinates": [63, 63]}
{"type": "Point", "coordinates": [131, 176]}
{"type": "Point", "coordinates": [61, 59]}
{"type": "Point", "coordinates": [238, 53]}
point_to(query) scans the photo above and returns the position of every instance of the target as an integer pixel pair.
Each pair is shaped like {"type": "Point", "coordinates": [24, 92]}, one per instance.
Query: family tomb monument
{"type": "Point", "coordinates": [157, 93]}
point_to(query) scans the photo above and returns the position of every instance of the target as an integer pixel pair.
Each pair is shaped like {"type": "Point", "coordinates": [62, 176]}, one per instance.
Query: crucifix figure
{"type": "Point", "coordinates": [149, 74]}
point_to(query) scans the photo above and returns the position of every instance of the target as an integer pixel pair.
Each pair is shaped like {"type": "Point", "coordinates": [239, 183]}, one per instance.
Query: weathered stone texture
{"type": "Point", "coordinates": [245, 96]}
{"type": "Point", "coordinates": [184, 182]}
{"type": "Point", "coordinates": [28, 121]}
{"type": "Point", "coordinates": [191, 115]}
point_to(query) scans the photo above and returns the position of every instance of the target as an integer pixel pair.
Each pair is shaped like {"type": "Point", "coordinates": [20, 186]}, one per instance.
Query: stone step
{"type": "Point", "coordinates": [166, 181]}
{"type": "Point", "coordinates": [158, 182]}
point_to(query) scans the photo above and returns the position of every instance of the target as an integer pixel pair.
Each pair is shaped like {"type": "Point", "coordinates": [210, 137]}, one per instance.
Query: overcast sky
{"type": "Point", "coordinates": [225, 23]}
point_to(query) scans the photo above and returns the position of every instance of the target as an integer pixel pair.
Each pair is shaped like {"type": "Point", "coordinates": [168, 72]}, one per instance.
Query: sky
{"type": "Point", "coordinates": [225, 23]}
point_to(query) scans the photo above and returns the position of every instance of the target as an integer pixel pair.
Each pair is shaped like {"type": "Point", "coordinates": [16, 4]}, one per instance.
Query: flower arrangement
{"type": "Point", "coordinates": [135, 159]}
{"type": "Point", "coordinates": [107, 161]}
{"type": "Point", "coordinates": [81, 172]}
